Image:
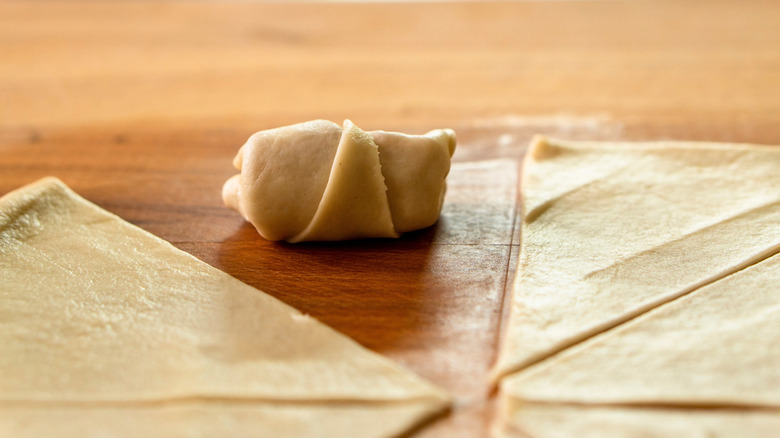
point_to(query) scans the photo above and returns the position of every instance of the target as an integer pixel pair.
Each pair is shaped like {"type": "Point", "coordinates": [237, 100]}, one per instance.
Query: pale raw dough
{"type": "Point", "coordinates": [712, 355]}
{"type": "Point", "coordinates": [612, 230]}
{"type": "Point", "coordinates": [717, 346]}
{"type": "Point", "coordinates": [239, 419]}
{"type": "Point", "coordinates": [106, 328]}
{"type": "Point", "coordinates": [317, 181]}
{"type": "Point", "coordinates": [646, 299]}
{"type": "Point", "coordinates": [572, 421]}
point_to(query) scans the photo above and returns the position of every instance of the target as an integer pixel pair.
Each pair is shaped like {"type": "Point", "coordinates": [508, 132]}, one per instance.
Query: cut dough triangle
{"type": "Point", "coordinates": [613, 230]}
{"type": "Point", "coordinates": [716, 347]}
{"type": "Point", "coordinates": [566, 421]}
{"type": "Point", "coordinates": [705, 364]}
{"type": "Point", "coordinates": [215, 419]}
{"type": "Point", "coordinates": [104, 325]}
{"type": "Point", "coordinates": [654, 267]}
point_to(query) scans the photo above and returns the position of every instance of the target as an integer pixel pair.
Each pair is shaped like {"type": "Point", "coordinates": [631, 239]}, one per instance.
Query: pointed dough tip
{"type": "Point", "coordinates": [541, 148]}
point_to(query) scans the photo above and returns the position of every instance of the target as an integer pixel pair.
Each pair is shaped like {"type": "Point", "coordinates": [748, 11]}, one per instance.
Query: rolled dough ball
{"type": "Point", "coordinates": [318, 181]}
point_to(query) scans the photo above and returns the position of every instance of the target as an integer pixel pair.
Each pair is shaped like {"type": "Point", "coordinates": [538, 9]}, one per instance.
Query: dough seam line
{"type": "Point", "coordinates": [607, 326]}
{"type": "Point", "coordinates": [537, 211]}
{"type": "Point", "coordinates": [660, 406]}
{"type": "Point", "coordinates": [507, 294]}
{"type": "Point", "coordinates": [711, 227]}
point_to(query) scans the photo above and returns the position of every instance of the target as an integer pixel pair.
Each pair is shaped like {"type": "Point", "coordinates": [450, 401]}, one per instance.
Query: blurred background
{"type": "Point", "coordinates": [65, 64]}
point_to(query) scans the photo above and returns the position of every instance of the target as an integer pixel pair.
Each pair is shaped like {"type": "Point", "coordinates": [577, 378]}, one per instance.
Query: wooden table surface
{"type": "Point", "coordinates": [140, 107]}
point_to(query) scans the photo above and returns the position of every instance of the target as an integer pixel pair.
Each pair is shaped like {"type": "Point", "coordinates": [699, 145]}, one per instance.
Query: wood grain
{"type": "Point", "coordinates": [141, 106]}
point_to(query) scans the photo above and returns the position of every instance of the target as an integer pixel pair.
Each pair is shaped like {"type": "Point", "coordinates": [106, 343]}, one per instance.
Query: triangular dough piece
{"type": "Point", "coordinates": [566, 421]}
{"type": "Point", "coordinates": [716, 347]}
{"type": "Point", "coordinates": [612, 230]}
{"type": "Point", "coordinates": [215, 419]}
{"type": "Point", "coordinates": [101, 321]}
{"type": "Point", "coordinates": [357, 187]}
